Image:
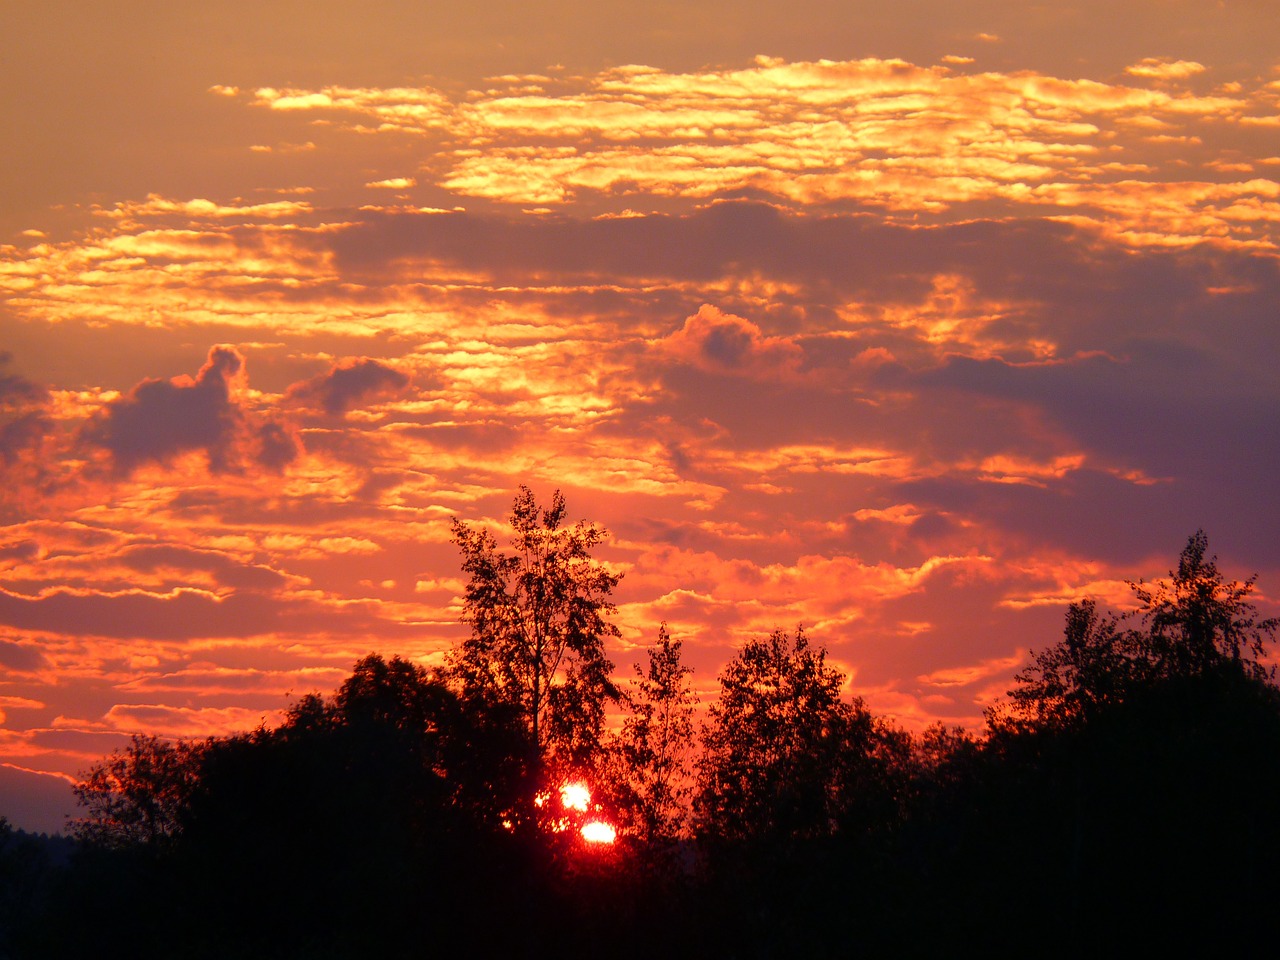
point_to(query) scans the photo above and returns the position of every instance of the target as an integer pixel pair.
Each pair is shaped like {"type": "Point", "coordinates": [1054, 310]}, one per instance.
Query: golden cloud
{"type": "Point", "coordinates": [1159, 68]}
{"type": "Point", "coordinates": [895, 135]}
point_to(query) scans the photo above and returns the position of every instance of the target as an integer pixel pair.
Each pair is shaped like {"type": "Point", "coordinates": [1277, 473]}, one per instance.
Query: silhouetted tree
{"type": "Point", "coordinates": [137, 795]}
{"type": "Point", "coordinates": [652, 768]}
{"type": "Point", "coordinates": [798, 789]}
{"type": "Point", "coordinates": [1194, 624]}
{"type": "Point", "coordinates": [942, 763]}
{"type": "Point", "coordinates": [539, 620]}
{"type": "Point", "coordinates": [1134, 771]}
{"type": "Point", "coordinates": [1126, 793]}
{"type": "Point", "coordinates": [785, 757]}
{"type": "Point", "coordinates": [340, 832]}
{"type": "Point", "coordinates": [1093, 667]}
{"type": "Point", "coordinates": [25, 873]}
{"type": "Point", "coordinates": [1197, 621]}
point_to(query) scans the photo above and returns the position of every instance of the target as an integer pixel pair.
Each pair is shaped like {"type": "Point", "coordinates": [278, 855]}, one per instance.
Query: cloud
{"type": "Point", "coordinates": [192, 565]}
{"type": "Point", "coordinates": [900, 137]}
{"type": "Point", "coordinates": [21, 657]}
{"type": "Point", "coordinates": [277, 446]}
{"type": "Point", "coordinates": [36, 801]}
{"type": "Point", "coordinates": [160, 420]}
{"type": "Point", "coordinates": [200, 207]}
{"type": "Point", "coordinates": [1161, 68]}
{"type": "Point", "coordinates": [970, 674]}
{"type": "Point", "coordinates": [349, 384]}
{"type": "Point", "coordinates": [23, 414]}
{"type": "Point", "coordinates": [183, 614]}
{"type": "Point", "coordinates": [196, 722]}
{"type": "Point", "coordinates": [882, 347]}
{"type": "Point", "coordinates": [406, 109]}
{"type": "Point", "coordinates": [15, 390]}
{"type": "Point", "coordinates": [724, 343]}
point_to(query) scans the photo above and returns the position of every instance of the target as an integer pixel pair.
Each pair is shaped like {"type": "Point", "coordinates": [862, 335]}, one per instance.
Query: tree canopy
{"type": "Point", "coordinates": [785, 756]}
{"type": "Point", "coordinates": [1197, 621]}
{"type": "Point", "coordinates": [540, 619]}
{"type": "Point", "coordinates": [1190, 626]}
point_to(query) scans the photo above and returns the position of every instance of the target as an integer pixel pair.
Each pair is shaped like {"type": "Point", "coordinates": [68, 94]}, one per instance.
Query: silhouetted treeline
{"type": "Point", "coordinates": [1123, 796]}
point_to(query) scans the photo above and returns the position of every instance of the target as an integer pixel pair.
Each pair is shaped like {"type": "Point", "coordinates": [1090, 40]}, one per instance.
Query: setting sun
{"type": "Point", "coordinates": [575, 796]}
{"type": "Point", "coordinates": [598, 832]}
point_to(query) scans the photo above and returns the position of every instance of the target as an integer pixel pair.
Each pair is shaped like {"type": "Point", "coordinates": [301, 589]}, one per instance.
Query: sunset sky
{"type": "Point", "coordinates": [907, 320]}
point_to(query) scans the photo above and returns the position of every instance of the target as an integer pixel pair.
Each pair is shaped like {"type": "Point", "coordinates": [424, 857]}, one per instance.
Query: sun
{"type": "Point", "coordinates": [575, 800]}
{"type": "Point", "coordinates": [575, 796]}
{"type": "Point", "coordinates": [597, 831]}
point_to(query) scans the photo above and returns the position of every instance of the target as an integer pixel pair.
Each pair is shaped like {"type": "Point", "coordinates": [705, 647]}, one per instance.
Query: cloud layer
{"type": "Point", "coordinates": [912, 354]}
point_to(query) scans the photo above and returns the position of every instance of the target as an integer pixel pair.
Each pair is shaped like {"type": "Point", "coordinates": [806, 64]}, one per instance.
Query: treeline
{"type": "Point", "coordinates": [1121, 797]}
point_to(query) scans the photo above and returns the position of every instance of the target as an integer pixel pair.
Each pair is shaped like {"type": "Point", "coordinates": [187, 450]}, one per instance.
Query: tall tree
{"type": "Point", "coordinates": [539, 618]}
{"type": "Point", "coordinates": [654, 749]}
{"type": "Point", "coordinates": [1092, 668]}
{"type": "Point", "coordinates": [1134, 772]}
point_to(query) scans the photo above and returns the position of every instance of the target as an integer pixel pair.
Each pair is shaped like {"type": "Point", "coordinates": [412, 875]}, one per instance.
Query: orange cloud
{"type": "Point", "coordinates": [975, 673]}
{"type": "Point", "coordinates": [724, 343]}
{"type": "Point", "coordinates": [885, 132]}
{"type": "Point", "coordinates": [949, 334]}
{"type": "Point", "coordinates": [192, 722]}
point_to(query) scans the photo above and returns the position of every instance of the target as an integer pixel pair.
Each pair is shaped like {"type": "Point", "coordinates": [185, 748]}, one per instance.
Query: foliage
{"type": "Point", "coordinates": [539, 620]}
{"type": "Point", "coordinates": [1126, 790]}
{"type": "Point", "coordinates": [25, 869]}
{"type": "Point", "coordinates": [399, 722]}
{"type": "Point", "coordinates": [137, 795]}
{"type": "Point", "coordinates": [1194, 624]}
{"type": "Point", "coordinates": [1134, 769]}
{"type": "Point", "coordinates": [363, 815]}
{"type": "Point", "coordinates": [652, 768]}
{"type": "Point", "coordinates": [1066, 684]}
{"type": "Point", "coordinates": [785, 757]}
{"type": "Point", "coordinates": [941, 763]}
{"type": "Point", "coordinates": [1197, 621]}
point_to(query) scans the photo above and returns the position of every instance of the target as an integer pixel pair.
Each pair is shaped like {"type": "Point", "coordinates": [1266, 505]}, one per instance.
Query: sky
{"type": "Point", "coordinates": [910, 322]}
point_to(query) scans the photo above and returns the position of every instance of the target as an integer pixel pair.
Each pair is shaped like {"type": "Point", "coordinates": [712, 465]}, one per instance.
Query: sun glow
{"type": "Point", "coordinates": [598, 832]}
{"type": "Point", "coordinates": [579, 815]}
{"type": "Point", "coordinates": [575, 796]}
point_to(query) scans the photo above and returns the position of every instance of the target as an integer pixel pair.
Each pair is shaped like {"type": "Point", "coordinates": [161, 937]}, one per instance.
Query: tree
{"type": "Point", "coordinates": [539, 620]}
{"type": "Point", "coordinates": [26, 870]}
{"type": "Point", "coordinates": [653, 771]}
{"type": "Point", "coordinates": [366, 814]}
{"type": "Point", "coordinates": [138, 794]}
{"type": "Point", "coordinates": [469, 757]}
{"type": "Point", "coordinates": [1193, 625]}
{"type": "Point", "coordinates": [1197, 621]}
{"type": "Point", "coordinates": [1134, 771]}
{"type": "Point", "coordinates": [1092, 668]}
{"type": "Point", "coordinates": [786, 758]}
